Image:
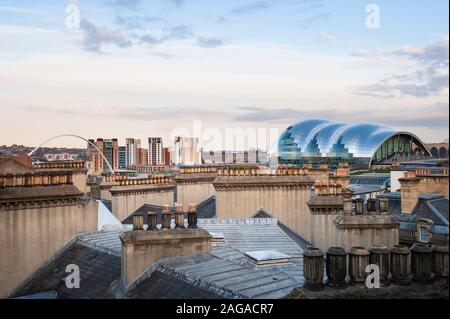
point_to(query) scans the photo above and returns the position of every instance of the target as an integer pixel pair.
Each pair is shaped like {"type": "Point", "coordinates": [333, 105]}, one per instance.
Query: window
{"type": "Point", "coordinates": [424, 235]}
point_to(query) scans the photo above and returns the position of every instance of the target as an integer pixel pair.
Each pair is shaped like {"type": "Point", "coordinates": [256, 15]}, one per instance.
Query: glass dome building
{"type": "Point", "coordinates": [362, 145]}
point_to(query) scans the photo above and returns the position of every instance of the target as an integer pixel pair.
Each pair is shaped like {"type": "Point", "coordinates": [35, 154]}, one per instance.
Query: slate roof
{"type": "Point", "coordinates": [207, 208]}
{"type": "Point", "coordinates": [434, 207]}
{"type": "Point", "coordinates": [164, 286]}
{"type": "Point", "coordinates": [380, 179]}
{"type": "Point", "coordinates": [97, 271]}
{"type": "Point", "coordinates": [358, 189]}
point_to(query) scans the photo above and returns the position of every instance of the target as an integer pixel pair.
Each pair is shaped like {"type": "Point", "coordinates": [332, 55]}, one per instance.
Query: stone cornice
{"type": "Point", "coordinates": [272, 187]}
{"type": "Point", "coordinates": [142, 189]}
{"type": "Point", "coordinates": [39, 203]}
{"type": "Point", "coordinates": [433, 177]}
{"type": "Point", "coordinates": [366, 222]}
{"type": "Point", "coordinates": [188, 179]}
{"type": "Point", "coordinates": [240, 183]}
{"type": "Point", "coordinates": [409, 180]}
{"type": "Point", "coordinates": [62, 171]}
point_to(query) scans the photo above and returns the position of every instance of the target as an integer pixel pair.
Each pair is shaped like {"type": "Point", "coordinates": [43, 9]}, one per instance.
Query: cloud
{"type": "Point", "coordinates": [179, 32]}
{"type": "Point", "coordinates": [95, 37]}
{"type": "Point", "coordinates": [136, 22]}
{"type": "Point", "coordinates": [250, 8]}
{"type": "Point", "coordinates": [136, 32]}
{"type": "Point", "coordinates": [427, 116]}
{"type": "Point", "coordinates": [19, 10]}
{"type": "Point", "coordinates": [221, 19]}
{"type": "Point", "coordinates": [327, 37]}
{"type": "Point", "coordinates": [205, 42]}
{"type": "Point", "coordinates": [312, 19]}
{"type": "Point", "coordinates": [162, 55]}
{"type": "Point", "coordinates": [427, 76]}
{"type": "Point", "coordinates": [128, 4]}
{"type": "Point", "coordinates": [361, 53]}
{"type": "Point", "coordinates": [310, 7]}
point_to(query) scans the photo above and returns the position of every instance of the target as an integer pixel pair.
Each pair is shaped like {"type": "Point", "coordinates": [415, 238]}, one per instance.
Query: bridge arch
{"type": "Point", "coordinates": [78, 137]}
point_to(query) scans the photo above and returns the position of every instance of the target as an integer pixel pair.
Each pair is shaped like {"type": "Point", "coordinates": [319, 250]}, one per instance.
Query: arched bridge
{"type": "Point", "coordinates": [80, 138]}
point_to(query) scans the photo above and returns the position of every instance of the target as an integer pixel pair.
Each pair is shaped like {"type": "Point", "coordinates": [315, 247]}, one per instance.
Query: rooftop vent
{"type": "Point", "coordinates": [267, 258]}
{"type": "Point", "coordinates": [217, 238]}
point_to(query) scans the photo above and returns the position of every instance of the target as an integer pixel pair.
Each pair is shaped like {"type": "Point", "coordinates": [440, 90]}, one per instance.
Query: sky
{"type": "Point", "coordinates": [132, 68]}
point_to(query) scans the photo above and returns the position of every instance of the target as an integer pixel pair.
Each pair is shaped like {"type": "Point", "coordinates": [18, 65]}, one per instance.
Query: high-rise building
{"type": "Point", "coordinates": [155, 151]}
{"type": "Point", "coordinates": [122, 156]}
{"type": "Point", "coordinates": [109, 148]}
{"type": "Point", "coordinates": [132, 151]}
{"type": "Point", "coordinates": [167, 156]}
{"type": "Point", "coordinates": [186, 151]}
{"type": "Point", "coordinates": [143, 156]}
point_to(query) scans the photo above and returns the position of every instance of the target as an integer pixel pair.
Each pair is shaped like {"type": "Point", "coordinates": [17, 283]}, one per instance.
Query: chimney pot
{"type": "Point", "coordinates": [152, 221]}
{"type": "Point", "coordinates": [166, 217]}
{"type": "Point", "coordinates": [317, 189]}
{"type": "Point", "coordinates": [179, 207]}
{"type": "Point", "coordinates": [179, 216]}
{"type": "Point", "coordinates": [138, 222]}
{"type": "Point", "coordinates": [338, 189]}
{"type": "Point", "coordinates": [192, 216]}
{"type": "Point", "coordinates": [384, 205]}
{"type": "Point", "coordinates": [348, 206]}
{"type": "Point", "coordinates": [359, 206]}
{"type": "Point", "coordinates": [371, 205]}
{"type": "Point", "coordinates": [166, 208]}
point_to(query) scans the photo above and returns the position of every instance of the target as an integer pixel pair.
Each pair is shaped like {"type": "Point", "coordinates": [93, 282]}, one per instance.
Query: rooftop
{"type": "Point", "coordinates": [223, 273]}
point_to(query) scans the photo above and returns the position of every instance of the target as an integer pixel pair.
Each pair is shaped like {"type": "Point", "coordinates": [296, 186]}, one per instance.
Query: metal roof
{"type": "Point", "coordinates": [322, 138]}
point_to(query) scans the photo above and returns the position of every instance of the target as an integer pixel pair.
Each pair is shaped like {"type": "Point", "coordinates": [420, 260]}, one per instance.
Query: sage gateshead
{"type": "Point", "coordinates": [361, 145]}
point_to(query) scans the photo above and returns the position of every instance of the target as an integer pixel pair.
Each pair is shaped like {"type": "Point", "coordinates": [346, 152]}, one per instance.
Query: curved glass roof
{"type": "Point", "coordinates": [322, 138]}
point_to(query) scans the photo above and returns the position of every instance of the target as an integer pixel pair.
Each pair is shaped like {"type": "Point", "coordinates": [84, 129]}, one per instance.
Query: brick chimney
{"type": "Point", "coordinates": [141, 249]}
{"type": "Point", "coordinates": [342, 177]}
{"type": "Point", "coordinates": [409, 189]}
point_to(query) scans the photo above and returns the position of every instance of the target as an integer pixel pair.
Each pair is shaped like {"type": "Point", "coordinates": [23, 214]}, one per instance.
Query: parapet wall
{"type": "Point", "coordinates": [284, 197]}
{"type": "Point", "coordinates": [29, 237]}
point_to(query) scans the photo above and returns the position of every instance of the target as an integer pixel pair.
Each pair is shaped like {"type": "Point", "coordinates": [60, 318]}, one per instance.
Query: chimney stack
{"type": "Point", "coordinates": [409, 189]}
